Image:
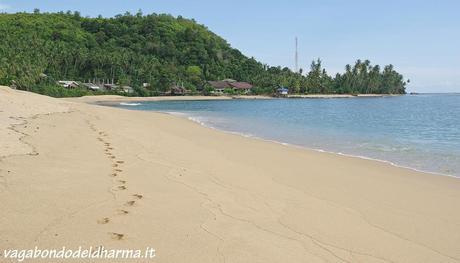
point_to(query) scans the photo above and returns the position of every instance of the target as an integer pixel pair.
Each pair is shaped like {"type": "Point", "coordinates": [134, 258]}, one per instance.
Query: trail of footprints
{"type": "Point", "coordinates": [118, 184]}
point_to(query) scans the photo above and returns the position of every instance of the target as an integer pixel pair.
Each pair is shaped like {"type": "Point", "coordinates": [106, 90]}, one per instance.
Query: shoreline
{"type": "Point", "coordinates": [131, 179]}
{"type": "Point", "coordinates": [111, 103]}
{"type": "Point", "coordinates": [181, 115]}
{"type": "Point", "coordinates": [337, 96]}
{"type": "Point", "coordinates": [108, 99]}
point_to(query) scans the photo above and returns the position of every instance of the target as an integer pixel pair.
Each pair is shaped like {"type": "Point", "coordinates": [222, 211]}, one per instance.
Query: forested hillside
{"type": "Point", "coordinates": [157, 49]}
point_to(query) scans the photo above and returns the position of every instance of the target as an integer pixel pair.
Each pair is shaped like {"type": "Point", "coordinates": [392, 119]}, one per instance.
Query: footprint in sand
{"type": "Point", "coordinates": [122, 212]}
{"type": "Point", "coordinates": [138, 196]}
{"type": "Point", "coordinates": [107, 151]}
{"type": "Point", "coordinates": [116, 236]}
{"type": "Point", "coordinates": [130, 203]}
{"type": "Point", "coordinates": [104, 220]}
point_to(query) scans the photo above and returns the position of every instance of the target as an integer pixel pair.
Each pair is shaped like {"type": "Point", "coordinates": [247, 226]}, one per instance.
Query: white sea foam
{"type": "Point", "coordinates": [176, 113]}
{"type": "Point", "coordinates": [130, 103]}
{"type": "Point", "coordinates": [199, 121]}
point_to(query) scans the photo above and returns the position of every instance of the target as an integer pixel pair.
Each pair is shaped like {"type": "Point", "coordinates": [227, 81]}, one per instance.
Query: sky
{"type": "Point", "coordinates": [420, 38]}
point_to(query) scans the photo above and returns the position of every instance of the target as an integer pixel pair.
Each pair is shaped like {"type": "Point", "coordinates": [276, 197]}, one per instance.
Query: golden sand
{"type": "Point", "coordinates": [74, 174]}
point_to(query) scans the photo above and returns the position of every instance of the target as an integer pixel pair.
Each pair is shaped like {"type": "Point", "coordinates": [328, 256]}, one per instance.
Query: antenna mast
{"type": "Point", "coordinates": [296, 57]}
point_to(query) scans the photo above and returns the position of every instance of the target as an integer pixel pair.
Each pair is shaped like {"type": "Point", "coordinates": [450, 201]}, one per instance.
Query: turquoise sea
{"type": "Point", "coordinates": [416, 131]}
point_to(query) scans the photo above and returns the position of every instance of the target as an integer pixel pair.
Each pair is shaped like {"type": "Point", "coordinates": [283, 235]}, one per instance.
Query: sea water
{"type": "Point", "coordinates": [415, 131]}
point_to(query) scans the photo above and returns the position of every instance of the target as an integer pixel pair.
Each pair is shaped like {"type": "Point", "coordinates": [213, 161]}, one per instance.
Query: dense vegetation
{"type": "Point", "coordinates": [37, 49]}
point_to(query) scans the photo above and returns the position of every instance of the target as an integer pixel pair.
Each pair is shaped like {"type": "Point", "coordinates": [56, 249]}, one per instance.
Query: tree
{"type": "Point", "coordinates": [157, 49]}
{"type": "Point", "coordinates": [194, 74]}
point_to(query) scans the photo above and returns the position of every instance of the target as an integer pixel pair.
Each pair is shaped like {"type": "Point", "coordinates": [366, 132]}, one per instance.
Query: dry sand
{"type": "Point", "coordinates": [74, 174]}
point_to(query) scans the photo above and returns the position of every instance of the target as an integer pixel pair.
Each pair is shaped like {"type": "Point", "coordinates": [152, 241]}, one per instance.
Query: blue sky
{"type": "Point", "coordinates": [420, 38]}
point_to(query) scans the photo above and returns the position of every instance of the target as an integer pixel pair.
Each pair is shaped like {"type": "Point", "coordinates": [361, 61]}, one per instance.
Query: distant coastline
{"type": "Point", "coordinates": [109, 99]}
{"type": "Point", "coordinates": [327, 96]}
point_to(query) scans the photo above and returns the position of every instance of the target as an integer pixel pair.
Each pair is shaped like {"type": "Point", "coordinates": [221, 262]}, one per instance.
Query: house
{"type": "Point", "coordinates": [91, 86]}
{"type": "Point", "coordinates": [240, 87]}
{"type": "Point", "coordinates": [219, 86]}
{"type": "Point", "coordinates": [127, 89]}
{"type": "Point", "coordinates": [282, 91]}
{"type": "Point", "coordinates": [68, 84]}
{"type": "Point", "coordinates": [112, 87]}
{"type": "Point", "coordinates": [176, 90]}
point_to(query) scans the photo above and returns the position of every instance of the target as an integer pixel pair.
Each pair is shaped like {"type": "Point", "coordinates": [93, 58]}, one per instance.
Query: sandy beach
{"type": "Point", "coordinates": [115, 99]}
{"type": "Point", "coordinates": [77, 174]}
{"type": "Point", "coordinates": [111, 99]}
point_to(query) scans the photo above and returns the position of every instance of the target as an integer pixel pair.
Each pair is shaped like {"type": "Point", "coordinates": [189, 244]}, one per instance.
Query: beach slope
{"type": "Point", "coordinates": [74, 174]}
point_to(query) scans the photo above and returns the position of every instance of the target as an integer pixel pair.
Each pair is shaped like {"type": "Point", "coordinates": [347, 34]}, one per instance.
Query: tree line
{"type": "Point", "coordinates": [38, 48]}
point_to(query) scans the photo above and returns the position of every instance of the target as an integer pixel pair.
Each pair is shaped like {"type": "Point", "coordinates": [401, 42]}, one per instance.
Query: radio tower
{"type": "Point", "coordinates": [296, 57]}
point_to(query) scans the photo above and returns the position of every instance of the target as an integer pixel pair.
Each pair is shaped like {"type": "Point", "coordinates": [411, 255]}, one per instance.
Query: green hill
{"type": "Point", "coordinates": [157, 49]}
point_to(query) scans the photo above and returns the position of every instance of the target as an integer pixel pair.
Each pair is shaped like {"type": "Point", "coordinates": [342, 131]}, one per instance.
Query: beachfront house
{"type": "Point", "coordinates": [283, 91]}
{"type": "Point", "coordinates": [68, 84]}
{"type": "Point", "coordinates": [91, 86]}
{"type": "Point", "coordinates": [237, 86]}
{"type": "Point", "coordinates": [176, 90]}
{"type": "Point", "coordinates": [219, 86]}
{"type": "Point", "coordinates": [127, 89]}
{"type": "Point", "coordinates": [241, 87]}
{"type": "Point", "coordinates": [111, 86]}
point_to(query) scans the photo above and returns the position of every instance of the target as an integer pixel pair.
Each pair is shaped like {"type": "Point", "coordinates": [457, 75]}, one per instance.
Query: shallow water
{"type": "Point", "coordinates": [420, 132]}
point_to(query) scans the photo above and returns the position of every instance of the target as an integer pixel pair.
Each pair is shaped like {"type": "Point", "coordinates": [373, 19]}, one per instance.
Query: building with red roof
{"type": "Point", "coordinates": [238, 86]}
